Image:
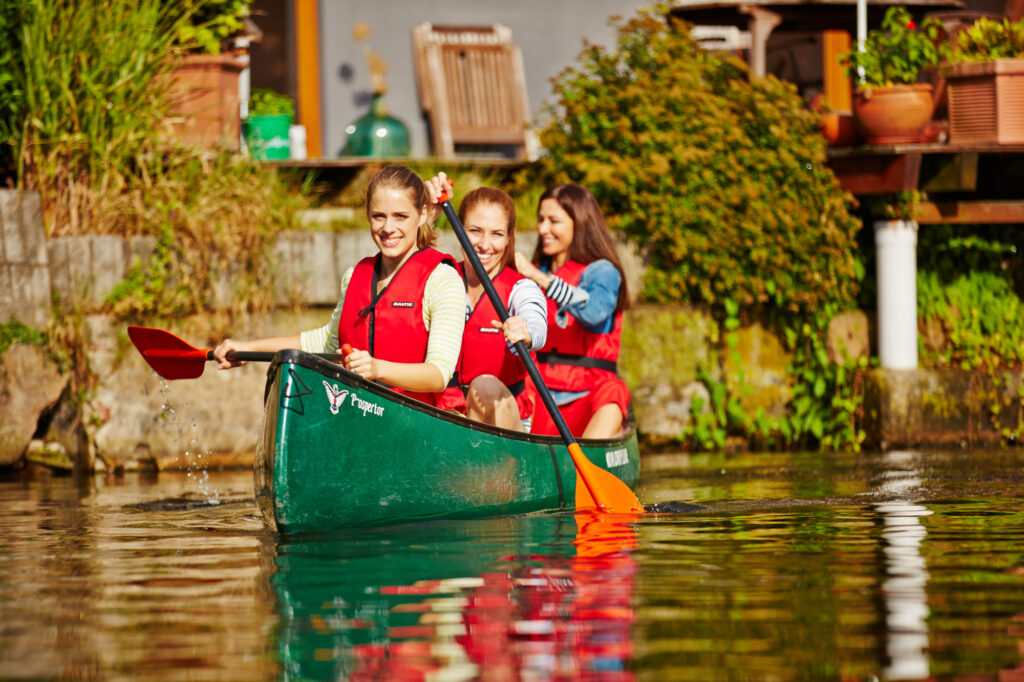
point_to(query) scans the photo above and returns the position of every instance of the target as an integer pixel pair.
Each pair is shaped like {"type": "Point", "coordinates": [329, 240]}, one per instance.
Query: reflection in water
{"type": "Point", "coordinates": [800, 567]}
{"type": "Point", "coordinates": [906, 599]}
{"type": "Point", "coordinates": [537, 597]}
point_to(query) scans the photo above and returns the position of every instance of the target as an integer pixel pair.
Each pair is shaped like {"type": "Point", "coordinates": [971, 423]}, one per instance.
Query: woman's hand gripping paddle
{"type": "Point", "coordinates": [607, 492]}
{"type": "Point", "coordinates": [173, 358]}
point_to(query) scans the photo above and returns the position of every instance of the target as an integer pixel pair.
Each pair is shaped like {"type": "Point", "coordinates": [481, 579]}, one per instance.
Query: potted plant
{"type": "Point", "coordinates": [890, 106]}
{"type": "Point", "coordinates": [267, 126]}
{"type": "Point", "coordinates": [985, 79]}
{"type": "Point", "coordinates": [204, 93]}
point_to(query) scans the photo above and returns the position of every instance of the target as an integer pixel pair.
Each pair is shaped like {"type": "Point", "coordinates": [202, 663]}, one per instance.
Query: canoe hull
{"type": "Point", "coordinates": [337, 452]}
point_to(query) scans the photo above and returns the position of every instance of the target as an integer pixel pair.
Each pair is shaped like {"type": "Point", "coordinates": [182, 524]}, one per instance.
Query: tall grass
{"type": "Point", "coordinates": [84, 98]}
{"type": "Point", "coordinates": [89, 97]}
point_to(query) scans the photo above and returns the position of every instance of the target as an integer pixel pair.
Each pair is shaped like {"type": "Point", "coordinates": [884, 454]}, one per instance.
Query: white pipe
{"type": "Point", "coordinates": [896, 255]}
{"type": "Point", "coordinates": [862, 31]}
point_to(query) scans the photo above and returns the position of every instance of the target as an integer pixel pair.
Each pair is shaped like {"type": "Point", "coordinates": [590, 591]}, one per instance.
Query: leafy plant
{"type": "Point", "coordinates": [901, 205]}
{"type": "Point", "coordinates": [266, 102]}
{"type": "Point", "coordinates": [15, 331]}
{"type": "Point", "coordinates": [899, 51]}
{"type": "Point", "coordinates": [85, 100]}
{"type": "Point", "coordinates": [211, 23]}
{"type": "Point", "coordinates": [988, 39]}
{"type": "Point", "coordinates": [970, 314]}
{"type": "Point", "coordinates": [723, 177]}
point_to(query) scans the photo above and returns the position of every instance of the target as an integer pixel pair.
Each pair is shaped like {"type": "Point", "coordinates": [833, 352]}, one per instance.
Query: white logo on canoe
{"type": "Point", "coordinates": [335, 395]}
{"type": "Point", "coordinates": [337, 398]}
{"type": "Point", "coordinates": [616, 458]}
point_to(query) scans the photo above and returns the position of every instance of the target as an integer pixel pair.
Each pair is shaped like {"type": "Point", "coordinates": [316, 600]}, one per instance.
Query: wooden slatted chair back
{"type": "Point", "coordinates": [472, 87]}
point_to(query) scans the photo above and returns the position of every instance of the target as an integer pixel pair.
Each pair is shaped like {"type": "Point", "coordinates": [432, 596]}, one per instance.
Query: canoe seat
{"type": "Point", "coordinates": [472, 89]}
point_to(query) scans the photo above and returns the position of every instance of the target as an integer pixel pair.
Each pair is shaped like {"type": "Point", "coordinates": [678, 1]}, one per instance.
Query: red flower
{"type": "Point", "coordinates": [911, 25]}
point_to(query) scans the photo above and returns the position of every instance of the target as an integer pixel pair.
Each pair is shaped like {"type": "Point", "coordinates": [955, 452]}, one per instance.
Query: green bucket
{"type": "Point", "coordinates": [266, 137]}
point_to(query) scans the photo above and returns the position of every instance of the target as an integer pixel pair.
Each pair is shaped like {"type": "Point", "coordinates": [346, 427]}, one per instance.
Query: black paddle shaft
{"type": "Point", "coordinates": [267, 356]}
{"type": "Point", "coordinates": [499, 305]}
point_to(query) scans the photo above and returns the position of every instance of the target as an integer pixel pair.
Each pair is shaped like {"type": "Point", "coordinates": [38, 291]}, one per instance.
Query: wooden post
{"type": "Point", "coordinates": [837, 81]}
{"type": "Point", "coordinates": [307, 73]}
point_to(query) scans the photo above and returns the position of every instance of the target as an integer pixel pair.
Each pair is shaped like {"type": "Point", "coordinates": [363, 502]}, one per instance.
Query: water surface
{"type": "Point", "coordinates": [897, 566]}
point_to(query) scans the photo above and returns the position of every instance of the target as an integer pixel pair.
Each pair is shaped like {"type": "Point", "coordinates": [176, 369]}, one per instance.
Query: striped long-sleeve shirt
{"type": "Point", "coordinates": [444, 315]}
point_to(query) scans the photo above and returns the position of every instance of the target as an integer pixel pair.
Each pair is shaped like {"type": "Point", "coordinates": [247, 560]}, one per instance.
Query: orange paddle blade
{"type": "Point", "coordinates": [170, 356]}
{"type": "Point", "coordinates": [594, 482]}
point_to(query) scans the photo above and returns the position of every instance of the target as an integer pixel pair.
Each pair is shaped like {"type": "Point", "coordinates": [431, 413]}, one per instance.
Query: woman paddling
{"type": "Point", "coordinates": [576, 265]}
{"type": "Point", "coordinates": [490, 377]}
{"type": "Point", "coordinates": [402, 310]}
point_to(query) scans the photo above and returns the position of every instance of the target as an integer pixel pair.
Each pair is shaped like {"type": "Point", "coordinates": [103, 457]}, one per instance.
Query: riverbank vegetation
{"type": "Point", "coordinates": [722, 177]}
{"type": "Point", "coordinates": [719, 177]}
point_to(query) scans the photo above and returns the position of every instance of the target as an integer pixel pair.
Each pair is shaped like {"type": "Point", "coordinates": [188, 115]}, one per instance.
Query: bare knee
{"type": "Point", "coordinates": [605, 423]}
{"type": "Point", "coordinates": [489, 401]}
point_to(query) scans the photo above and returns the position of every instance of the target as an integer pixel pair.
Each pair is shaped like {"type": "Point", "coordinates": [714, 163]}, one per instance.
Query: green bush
{"type": "Point", "coordinates": [720, 176]}
{"type": "Point", "coordinates": [988, 39]}
{"type": "Point", "coordinates": [210, 24]}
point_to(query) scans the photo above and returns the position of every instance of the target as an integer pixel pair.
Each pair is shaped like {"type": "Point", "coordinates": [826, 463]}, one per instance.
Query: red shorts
{"type": "Point", "coordinates": [577, 414]}
{"type": "Point", "coordinates": [454, 401]}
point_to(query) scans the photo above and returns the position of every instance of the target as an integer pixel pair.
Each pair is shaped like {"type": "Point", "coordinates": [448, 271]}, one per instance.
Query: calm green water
{"type": "Point", "coordinates": [903, 566]}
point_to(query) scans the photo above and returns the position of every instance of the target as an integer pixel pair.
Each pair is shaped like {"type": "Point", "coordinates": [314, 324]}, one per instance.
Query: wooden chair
{"type": "Point", "coordinates": [472, 88]}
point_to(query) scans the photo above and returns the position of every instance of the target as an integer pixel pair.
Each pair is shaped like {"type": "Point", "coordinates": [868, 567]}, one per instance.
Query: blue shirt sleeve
{"type": "Point", "coordinates": [593, 301]}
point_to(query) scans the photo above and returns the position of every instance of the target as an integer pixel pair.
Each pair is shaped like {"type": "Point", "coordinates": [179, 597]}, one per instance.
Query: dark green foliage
{"type": "Point", "coordinates": [989, 39]}
{"type": "Point", "coordinates": [898, 51]}
{"type": "Point", "coordinates": [211, 23]}
{"type": "Point", "coordinates": [720, 176]}
{"type": "Point", "coordinates": [14, 331]}
{"type": "Point", "coordinates": [266, 102]}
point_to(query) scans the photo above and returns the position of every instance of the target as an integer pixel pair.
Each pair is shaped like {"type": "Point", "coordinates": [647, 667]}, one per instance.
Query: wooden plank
{"type": "Point", "coordinates": [838, 93]}
{"type": "Point", "coordinates": [307, 60]}
{"type": "Point", "coordinates": [970, 212]}
{"type": "Point", "coordinates": [877, 174]}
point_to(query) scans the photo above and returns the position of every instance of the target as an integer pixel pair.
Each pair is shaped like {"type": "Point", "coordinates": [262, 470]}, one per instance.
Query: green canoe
{"type": "Point", "coordinates": [337, 452]}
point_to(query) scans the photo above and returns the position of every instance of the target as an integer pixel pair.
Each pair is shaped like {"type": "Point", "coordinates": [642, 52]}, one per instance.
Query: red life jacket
{"type": "Point", "coordinates": [488, 353]}
{"type": "Point", "coordinates": [390, 325]}
{"type": "Point", "coordinates": [574, 359]}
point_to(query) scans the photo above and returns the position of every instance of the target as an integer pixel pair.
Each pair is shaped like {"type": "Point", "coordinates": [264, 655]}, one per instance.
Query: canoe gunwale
{"type": "Point", "coordinates": [335, 371]}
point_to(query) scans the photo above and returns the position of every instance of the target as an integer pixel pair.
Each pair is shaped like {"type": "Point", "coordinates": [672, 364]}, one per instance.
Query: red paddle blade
{"type": "Point", "coordinates": [168, 355]}
{"type": "Point", "coordinates": [612, 495]}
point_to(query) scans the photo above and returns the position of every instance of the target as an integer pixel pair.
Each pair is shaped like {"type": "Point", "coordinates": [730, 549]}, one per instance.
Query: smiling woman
{"type": "Point", "coordinates": [402, 310]}
{"type": "Point", "coordinates": [576, 264]}
{"type": "Point", "coordinates": [489, 384]}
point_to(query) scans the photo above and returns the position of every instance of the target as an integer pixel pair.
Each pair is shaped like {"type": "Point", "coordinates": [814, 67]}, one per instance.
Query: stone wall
{"type": "Point", "coordinates": [132, 417]}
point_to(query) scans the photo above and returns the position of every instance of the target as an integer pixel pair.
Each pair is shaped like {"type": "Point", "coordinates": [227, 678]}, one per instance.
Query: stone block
{"type": "Point", "coordinates": [350, 248]}
{"type": "Point", "coordinates": [24, 277]}
{"type": "Point", "coordinates": [664, 410]}
{"type": "Point", "coordinates": [755, 371]}
{"type": "Point", "coordinates": [306, 272]}
{"type": "Point", "coordinates": [107, 266]}
{"type": "Point", "coordinates": [848, 336]}
{"type": "Point", "coordinates": [948, 407]}
{"type": "Point", "coordinates": [29, 383]}
{"type": "Point", "coordinates": [21, 228]}
{"type": "Point", "coordinates": [70, 266]}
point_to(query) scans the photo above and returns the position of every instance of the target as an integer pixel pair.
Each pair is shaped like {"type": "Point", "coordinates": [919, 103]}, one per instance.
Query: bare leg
{"type": "Point", "coordinates": [606, 422]}
{"type": "Point", "coordinates": [489, 401]}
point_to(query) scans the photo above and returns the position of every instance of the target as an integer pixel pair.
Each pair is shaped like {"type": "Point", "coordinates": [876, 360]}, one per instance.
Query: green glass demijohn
{"type": "Point", "coordinates": [376, 134]}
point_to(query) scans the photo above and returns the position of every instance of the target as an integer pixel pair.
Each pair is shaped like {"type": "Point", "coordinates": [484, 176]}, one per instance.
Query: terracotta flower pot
{"type": "Point", "coordinates": [204, 101]}
{"type": "Point", "coordinates": [839, 129]}
{"type": "Point", "coordinates": [897, 114]}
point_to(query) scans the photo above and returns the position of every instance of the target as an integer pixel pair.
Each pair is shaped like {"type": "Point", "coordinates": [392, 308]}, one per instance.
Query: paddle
{"type": "Point", "coordinates": [173, 358]}
{"type": "Point", "coordinates": [606, 490]}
